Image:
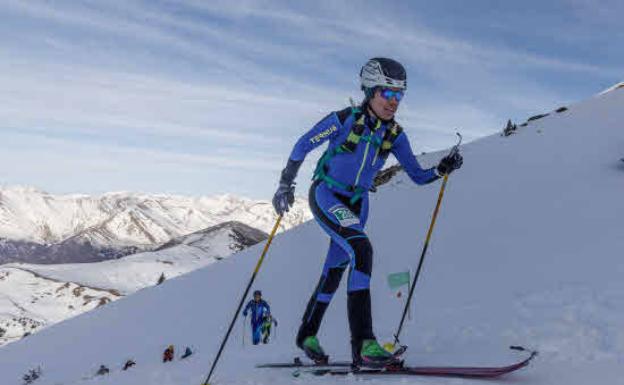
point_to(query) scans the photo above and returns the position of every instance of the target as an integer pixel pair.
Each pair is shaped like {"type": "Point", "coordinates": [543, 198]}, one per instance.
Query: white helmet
{"type": "Point", "coordinates": [383, 72]}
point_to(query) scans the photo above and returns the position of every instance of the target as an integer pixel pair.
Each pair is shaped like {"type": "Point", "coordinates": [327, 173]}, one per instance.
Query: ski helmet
{"type": "Point", "coordinates": [257, 292]}
{"type": "Point", "coordinates": [382, 72]}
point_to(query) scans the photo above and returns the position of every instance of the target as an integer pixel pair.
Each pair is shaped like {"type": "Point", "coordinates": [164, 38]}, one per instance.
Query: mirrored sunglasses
{"type": "Point", "coordinates": [388, 94]}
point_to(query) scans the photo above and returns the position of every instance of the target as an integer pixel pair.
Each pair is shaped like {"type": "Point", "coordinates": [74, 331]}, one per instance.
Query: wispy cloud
{"type": "Point", "coordinates": [124, 167]}
{"type": "Point", "coordinates": [209, 90]}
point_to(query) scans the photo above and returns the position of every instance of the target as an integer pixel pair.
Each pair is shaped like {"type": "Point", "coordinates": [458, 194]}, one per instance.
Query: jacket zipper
{"type": "Point", "coordinates": [372, 132]}
{"type": "Point", "coordinates": [357, 178]}
{"type": "Point", "coordinates": [376, 153]}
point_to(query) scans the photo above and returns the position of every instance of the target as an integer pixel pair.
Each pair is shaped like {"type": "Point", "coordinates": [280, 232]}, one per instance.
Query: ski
{"type": "Point", "coordinates": [338, 368]}
{"type": "Point", "coordinates": [439, 371]}
{"type": "Point", "coordinates": [297, 363]}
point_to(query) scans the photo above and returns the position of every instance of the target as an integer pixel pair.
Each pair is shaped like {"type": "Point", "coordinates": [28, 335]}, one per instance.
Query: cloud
{"type": "Point", "coordinates": [66, 166]}
{"type": "Point", "coordinates": [210, 87]}
{"type": "Point", "coordinates": [601, 13]}
{"type": "Point", "coordinates": [110, 104]}
{"type": "Point", "coordinates": [225, 55]}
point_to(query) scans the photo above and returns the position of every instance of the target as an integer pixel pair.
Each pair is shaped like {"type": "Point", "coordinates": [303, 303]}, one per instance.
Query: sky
{"type": "Point", "coordinates": [208, 97]}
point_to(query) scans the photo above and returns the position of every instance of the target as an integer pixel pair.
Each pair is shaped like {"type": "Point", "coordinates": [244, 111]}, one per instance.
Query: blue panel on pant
{"type": "Point", "coordinates": [337, 238]}
{"type": "Point", "coordinates": [358, 281]}
{"type": "Point", "coordinates": [324, 297]}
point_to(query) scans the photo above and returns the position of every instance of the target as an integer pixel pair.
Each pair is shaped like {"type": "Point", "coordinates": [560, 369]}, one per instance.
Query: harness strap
{"type": "Point", "coordinates": [353, 139]}
{"type": "Point", "coordinates": [389, 137]}
{"type": "Point", "coordinates": [357, 129]}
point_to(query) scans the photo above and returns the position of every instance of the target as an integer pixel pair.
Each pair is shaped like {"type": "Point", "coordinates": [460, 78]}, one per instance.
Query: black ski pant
{"type": "Point", "coordinates": [349, 247]}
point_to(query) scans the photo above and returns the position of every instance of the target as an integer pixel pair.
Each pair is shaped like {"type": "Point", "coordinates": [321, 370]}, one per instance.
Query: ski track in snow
{"type": "Point", "coordinates": [574, 322]}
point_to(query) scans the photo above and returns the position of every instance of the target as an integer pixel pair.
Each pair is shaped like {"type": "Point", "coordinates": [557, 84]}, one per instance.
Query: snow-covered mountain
{"type": "Point", "coordinates": [35, 296]}
{"type": "Point", "coordinates": [38, 227]}
{"type": "Point", "coordinates": [220, 240]}
{"type": "Point", "coordinates": [137, 271]}
{"type": "Point", "coordinates": [29, 301]}
{"type": "Point", "coordinates": [527, 250]}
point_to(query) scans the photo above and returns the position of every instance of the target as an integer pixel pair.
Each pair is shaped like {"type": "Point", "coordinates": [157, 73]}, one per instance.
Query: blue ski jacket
{"type": "Point", "coordinates": [258, 311]}
{"type": "Point", "coordinates": [358, 168]}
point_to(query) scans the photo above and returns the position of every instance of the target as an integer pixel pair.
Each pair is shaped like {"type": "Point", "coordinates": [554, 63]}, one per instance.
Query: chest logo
{"type": "Point", "coordinates": [322, 135]}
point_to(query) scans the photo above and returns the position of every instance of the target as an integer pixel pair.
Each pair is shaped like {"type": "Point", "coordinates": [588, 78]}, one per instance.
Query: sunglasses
{"type": "Point", "coordinates": [388, 94]}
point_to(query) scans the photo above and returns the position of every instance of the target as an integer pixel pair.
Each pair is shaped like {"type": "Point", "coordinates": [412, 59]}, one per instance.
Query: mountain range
{"type": "Point", "coordinates": [38, 227]}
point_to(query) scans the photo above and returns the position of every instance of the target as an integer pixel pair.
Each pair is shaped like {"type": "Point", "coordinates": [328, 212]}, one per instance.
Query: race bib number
{"type": "Point", "coordinates": [344, 216]}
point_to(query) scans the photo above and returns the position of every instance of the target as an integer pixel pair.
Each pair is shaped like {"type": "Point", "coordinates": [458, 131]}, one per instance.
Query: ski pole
{"type": "Point", "coordinates": [244, 322]}
{"type": "Point", "coordinates": [242, 300]}
{"type": "Point", "coordinates": [454, 150]}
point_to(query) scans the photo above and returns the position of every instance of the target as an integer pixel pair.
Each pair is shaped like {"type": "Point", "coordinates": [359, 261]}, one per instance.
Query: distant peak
{"type": "Point", "coordinates": [22, 189]}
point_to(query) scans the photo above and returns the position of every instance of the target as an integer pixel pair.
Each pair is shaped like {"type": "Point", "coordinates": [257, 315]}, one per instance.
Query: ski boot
{"type": "Point", "coordinates": [372, 355]}
{"type": "Point", "coordinates": [312, 348]}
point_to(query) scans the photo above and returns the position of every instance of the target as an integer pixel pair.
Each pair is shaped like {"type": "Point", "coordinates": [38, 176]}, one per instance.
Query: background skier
{"type": "Point", "coordinates": [267, 324]}
{"type": "Point", "coordinates": [130, 363]}
{"type": "Point", "coordinates": [168, 354]}
{"type": "Point", "coordinates": [187, 353]}
{"type": "Point", "coordinates": [259, 309]}
{"type": "Point", "coordinates": [102, 370]}
{"type": "Point", "coordinates": [360, 140]}
{"type": "Point", "coordinates": [32, 375]}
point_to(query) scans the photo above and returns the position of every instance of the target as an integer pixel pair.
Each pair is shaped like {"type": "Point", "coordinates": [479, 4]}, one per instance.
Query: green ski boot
{"type": "Point", "coordinates": [312, 348]}
{"type": "Point", "coordinates": [374, 356]}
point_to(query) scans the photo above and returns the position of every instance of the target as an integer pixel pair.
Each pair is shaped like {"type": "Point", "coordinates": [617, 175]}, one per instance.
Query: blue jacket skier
{"type": "Point", "coordinates": [260, 311]}
{"type": "Point", "coordinates": [360, 140]}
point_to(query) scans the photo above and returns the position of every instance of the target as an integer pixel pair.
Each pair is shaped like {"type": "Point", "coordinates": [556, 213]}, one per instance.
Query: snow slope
{"type": "Point", "coordinates": [527, 250]}
{"type": "Point", "coordinates": [35, 296]}
{"type": "Point", "coordinates": [29, 302]}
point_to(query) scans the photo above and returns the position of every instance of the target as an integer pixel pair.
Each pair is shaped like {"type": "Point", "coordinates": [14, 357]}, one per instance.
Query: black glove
{"type": "Point", "coordinates": [285, 195]}
{"type": "Point", "coordinates": [450, 163]}
{"type": "Point", "coordinates": [284, 198]}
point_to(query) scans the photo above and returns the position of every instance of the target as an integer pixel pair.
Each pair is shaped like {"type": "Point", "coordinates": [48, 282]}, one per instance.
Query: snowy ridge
{"type": "Point", "coordinates": [239, 235]}
{"type": "Point", "coordinates": [29, 301]}
{"type": "Point", "coordinates": [141, 270]}
{"type": "Point", "coordinates": [527, 250]}
{"type": "Point", "coordinates": [42, 228]}
{"type": "Point", "coordinates": [618, 86]}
